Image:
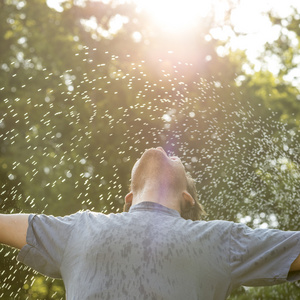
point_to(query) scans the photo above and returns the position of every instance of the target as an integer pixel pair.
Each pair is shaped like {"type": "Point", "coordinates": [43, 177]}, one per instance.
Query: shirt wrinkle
{"type": "Point", "coordinates": [64, 250]}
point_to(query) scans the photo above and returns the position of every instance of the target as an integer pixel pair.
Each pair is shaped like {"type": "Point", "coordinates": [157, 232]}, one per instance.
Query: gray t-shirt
{"type": "Point", "coordinates": [152, 253]}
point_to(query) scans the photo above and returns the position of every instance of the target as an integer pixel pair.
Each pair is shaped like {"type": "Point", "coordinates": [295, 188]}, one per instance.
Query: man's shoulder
{"type": "Point", "coordinates": [211, 226]}
{"type": "Point", "coordinates": [88, 215]}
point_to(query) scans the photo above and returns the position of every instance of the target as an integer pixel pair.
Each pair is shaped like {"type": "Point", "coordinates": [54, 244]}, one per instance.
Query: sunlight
{"type": "Point", "coordinates": [248, 18]}
{"type": "Point", "coordinates": [176, 15]}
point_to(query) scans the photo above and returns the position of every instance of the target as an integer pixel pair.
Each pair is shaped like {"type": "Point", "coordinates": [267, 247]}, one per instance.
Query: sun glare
{"type": "Point", "coordinates": [176, 15]}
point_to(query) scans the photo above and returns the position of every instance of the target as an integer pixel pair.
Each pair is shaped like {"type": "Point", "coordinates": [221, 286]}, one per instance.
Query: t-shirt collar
{"type": "Point", "coordinates": [155, 207]}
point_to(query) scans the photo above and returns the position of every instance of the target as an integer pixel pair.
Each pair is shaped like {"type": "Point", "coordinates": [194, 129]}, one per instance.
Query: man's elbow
{"type": "Point", "coordinates": [295, 266]}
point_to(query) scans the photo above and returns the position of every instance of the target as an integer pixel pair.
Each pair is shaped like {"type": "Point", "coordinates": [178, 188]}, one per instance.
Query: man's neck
{"type": "Point", "coordinates": [157, 194]}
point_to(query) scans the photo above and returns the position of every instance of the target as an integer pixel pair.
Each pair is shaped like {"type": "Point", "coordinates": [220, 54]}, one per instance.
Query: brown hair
{"type": "Point", "coordinates": [126, 207]}
{"type": "Point", "coordinates": [194, 212]}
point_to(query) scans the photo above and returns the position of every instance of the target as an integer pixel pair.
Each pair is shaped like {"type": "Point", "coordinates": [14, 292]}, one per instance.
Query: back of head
{"type": "Point", "coordinates": [156, 171]}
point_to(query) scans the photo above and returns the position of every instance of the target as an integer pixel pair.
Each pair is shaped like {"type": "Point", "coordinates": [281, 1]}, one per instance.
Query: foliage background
{"type": "Point", "coordinates": [78, 105]}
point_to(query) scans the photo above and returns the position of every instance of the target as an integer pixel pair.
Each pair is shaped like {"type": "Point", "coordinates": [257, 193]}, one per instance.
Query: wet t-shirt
{"type": "Point", "coordinates": [151, 252]}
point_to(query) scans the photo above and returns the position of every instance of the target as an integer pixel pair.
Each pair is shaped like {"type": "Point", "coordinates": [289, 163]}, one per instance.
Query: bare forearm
{"type": "Point", "coordinates": [13, 229]}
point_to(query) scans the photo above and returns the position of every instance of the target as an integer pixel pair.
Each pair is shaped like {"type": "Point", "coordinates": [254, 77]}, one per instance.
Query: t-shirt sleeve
{"type": "Point", "coordinates": [263, 256]}
{"type": "Point", "coordinates": [47, 237]}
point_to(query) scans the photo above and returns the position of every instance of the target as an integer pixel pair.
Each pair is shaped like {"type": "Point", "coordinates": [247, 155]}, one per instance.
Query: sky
{"type": "Point", "coordinates": [251, 18]}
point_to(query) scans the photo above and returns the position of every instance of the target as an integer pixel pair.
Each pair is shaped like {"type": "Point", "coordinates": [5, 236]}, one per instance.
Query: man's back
{"type": "Point", "coordinates": [148, 253]}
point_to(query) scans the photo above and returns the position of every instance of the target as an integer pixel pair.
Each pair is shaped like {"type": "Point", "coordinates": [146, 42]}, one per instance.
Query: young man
{"type": "Point", "coordinates": [155, 250]}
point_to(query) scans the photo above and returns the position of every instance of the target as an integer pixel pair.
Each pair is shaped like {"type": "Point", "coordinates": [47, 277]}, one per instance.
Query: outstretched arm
{"type": "Point", "coordinates": [13, 229]}
{"type": "Point", "coordinates": [296, 264]}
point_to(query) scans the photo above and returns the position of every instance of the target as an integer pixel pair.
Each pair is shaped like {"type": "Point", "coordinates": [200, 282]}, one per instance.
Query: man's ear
{"type": "Point", "coordinates": [129, 197]}
{"type": "Point", "coordinates": [188, 198]}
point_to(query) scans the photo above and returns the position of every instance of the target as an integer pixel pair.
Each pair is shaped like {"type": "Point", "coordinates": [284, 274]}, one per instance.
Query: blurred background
{"type": "Point", "coordinates": [87, 86]}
